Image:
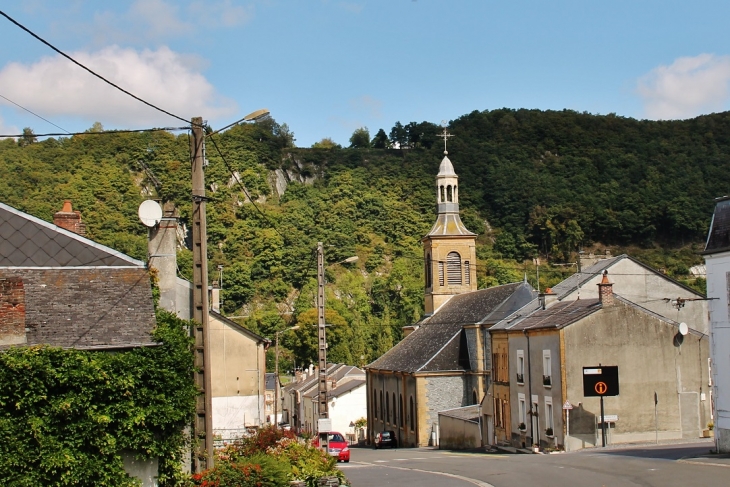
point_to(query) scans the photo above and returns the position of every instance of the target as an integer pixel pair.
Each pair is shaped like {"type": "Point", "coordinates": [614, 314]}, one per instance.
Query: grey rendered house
{"type": "Point", "coordinates": [549, 348]}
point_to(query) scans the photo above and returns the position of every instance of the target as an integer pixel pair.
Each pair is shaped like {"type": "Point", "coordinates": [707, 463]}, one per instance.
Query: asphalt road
{"type": "Point", "coordinates": [645, 466]}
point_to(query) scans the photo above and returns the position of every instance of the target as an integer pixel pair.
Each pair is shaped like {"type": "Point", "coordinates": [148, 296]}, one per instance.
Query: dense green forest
{"type": "Point", "coordinates": [532, 184]}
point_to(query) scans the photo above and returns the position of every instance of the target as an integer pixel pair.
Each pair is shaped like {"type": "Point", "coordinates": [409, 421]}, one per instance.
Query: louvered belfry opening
{"type": "Point", "coordinates": [453, 269]}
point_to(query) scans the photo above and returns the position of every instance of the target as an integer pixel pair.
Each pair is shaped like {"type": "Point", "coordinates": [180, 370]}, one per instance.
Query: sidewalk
{"type": "Point", "coordinates": [713, 459]}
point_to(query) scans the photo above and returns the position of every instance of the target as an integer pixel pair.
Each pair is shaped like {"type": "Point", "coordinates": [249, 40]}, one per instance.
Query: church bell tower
{"type": "Point", "coordinates": [449, 249]}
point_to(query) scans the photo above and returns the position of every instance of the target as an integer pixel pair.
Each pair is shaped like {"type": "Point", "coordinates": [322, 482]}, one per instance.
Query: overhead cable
{"type": "Point", "coordinates": [33, 113]}
{"type": "Point", "coordinates": [103, 132]}
{"type": "Point", "coordinates": [89, 70]}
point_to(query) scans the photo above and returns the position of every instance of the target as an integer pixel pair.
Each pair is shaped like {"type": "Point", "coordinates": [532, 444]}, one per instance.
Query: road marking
{"type": "Point", "coordinates": [381, 461]}
{"type": "Point", "coordinates": [476, 482]}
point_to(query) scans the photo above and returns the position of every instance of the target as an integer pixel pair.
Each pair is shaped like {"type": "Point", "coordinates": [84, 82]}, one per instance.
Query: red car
{"type": "Point", "coordinates": [338, 446]}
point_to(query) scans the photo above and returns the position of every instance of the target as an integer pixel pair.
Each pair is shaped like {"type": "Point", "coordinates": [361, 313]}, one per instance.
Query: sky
{"type": "Point", "coordinates": [329, 67]}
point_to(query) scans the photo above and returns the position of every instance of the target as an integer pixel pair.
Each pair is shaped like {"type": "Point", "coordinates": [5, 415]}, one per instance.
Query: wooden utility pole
{"type": "Point", "coordinates": [323, 412]}
{"type": "Point", "coordinates": [203, 425]}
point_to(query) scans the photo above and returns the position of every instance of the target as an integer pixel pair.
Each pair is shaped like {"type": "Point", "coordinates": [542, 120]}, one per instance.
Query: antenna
{"type": "Point", "coordinates": [150, 213]}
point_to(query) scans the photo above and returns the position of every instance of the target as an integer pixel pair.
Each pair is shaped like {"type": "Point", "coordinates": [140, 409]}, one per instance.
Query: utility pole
{"type": "Point", "coordinates": [323, 411]}
{"type": "Point", "coordinates": [203, 425]}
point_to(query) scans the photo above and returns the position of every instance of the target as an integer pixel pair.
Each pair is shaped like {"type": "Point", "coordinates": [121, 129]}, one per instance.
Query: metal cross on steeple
{"type": "Point", "coordinates": [445, 134]}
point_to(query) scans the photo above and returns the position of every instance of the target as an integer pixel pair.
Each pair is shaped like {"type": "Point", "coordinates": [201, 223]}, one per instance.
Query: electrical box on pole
{"type": "Point", "coordinates": [203, 425]}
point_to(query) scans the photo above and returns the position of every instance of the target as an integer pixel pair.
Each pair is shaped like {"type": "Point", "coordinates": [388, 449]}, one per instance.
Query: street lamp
{"type": "Point", "coordinates": [276, 374]}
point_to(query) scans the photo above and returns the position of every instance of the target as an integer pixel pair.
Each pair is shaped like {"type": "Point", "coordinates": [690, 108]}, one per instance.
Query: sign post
{"type": "Point", "coordinates": [599, 382]}
{"type": "Point", "coordinates": [567, 407]}
{"type": "Point", "coordinates": [656, 420]}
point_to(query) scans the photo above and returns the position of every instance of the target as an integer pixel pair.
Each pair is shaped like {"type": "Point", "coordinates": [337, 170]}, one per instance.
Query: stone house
{"type": "Point", "coordinates": [61, 289]}
{"type": "Point", "coordinates": [549, 347]}
{"type": "Point", "coordinates": [717, 261]}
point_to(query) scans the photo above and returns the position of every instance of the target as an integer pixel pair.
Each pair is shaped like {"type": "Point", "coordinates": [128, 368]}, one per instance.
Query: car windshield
{"type": "Point", "coordinates": [386, 434]}
{"type": "Point", "coordinates": [336, 437]}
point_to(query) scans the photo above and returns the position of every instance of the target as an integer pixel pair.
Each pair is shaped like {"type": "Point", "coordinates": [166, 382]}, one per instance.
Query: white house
{"type": "Point", "coordinates": [717, 260]}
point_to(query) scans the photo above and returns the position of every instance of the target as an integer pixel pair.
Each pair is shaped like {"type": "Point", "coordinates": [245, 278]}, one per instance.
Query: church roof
{"type": "Point", "coordinates": [439, 344]}
{"type": "Point", "coordinates": [449, 224]}
{"type": "Point", "coordinates": [446, 168]}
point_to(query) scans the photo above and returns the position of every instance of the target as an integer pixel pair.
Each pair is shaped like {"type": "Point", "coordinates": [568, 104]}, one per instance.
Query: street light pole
{"type": "Point", "coordinates": [276, 374]}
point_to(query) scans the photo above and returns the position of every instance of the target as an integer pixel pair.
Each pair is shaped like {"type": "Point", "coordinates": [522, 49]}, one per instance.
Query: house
{"type": "Point", "coordinates": [238, 361]}
{"type": "Point", "coordinates": [717, 261]}
{"type": "Point", "coordinates": [346, 399]}
{"type": "Point", "coordinates": [444, 360]}
{"type": "Point", "coordinates": [271, 385]}
{"type": "Point", "coordinates": [548, 346]}
{"type": "Point", "coordinates": [61, 289]}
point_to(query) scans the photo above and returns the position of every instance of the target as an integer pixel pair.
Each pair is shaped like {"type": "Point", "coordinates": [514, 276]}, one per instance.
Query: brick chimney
{"type": "Point", "coordinates": [12, 311]}
{"type": "Point", "coordinates": [69, 219]}
{"type": "Point", "coordinates": [605, 291]}
{"type": "Point", "coordinates": [547, 298]}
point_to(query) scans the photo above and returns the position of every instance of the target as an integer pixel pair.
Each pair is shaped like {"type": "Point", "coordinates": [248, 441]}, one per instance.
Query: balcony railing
{"type": "Point", "coordinates": [520, 378]}
{"type": "Point", "coordinates": [547, 380]}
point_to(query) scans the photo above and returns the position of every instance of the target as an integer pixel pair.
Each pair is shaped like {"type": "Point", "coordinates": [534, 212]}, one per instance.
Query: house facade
{"type": "Point", "coordinates": [717, 261]}
{"type": "Point", "coordinates": [550, 346]}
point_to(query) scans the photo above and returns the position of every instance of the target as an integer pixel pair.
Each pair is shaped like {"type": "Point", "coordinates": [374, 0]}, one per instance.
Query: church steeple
{"type": "Point", "coordinates": [449, 248]}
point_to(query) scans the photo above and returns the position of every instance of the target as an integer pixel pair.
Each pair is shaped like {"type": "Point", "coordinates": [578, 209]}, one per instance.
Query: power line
{"type": "Point", "coordinates": [89, 70]}
{"type": "Point", "coordinates": [33, 113]}
{"type": "Point", "coordinates": [103, 132]}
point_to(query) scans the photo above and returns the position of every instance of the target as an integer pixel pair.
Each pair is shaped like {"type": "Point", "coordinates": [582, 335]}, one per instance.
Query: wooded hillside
{"type": "Point", "coordinates": [532, 184]}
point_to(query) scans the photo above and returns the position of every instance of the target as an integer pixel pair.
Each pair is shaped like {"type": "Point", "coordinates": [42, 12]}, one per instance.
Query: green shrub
{"type": "Point", "coordinates": [259, 470]}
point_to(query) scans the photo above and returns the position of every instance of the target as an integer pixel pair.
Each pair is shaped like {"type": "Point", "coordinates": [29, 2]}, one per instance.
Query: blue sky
{"type": "Point", "coordinates": [327, 67]}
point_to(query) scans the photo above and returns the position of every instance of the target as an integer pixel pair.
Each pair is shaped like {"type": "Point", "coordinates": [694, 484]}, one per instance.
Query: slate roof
{"type": "Point", "coordinates": [27, 241]}
{"type": "Point", "coordinates": [449, 225]}
{"type": "Point", "coordinates": [346, 387]}
{"type": "Point", "coordinates": [87, 308]}
{"type": "Point", "coordinates": [718, 238]}
{"type": "Point", "coordinates": [467, 413]}
{"type": "Point", "coordinates": [438, 343]}
{"type": "Point", "coordinates": [559, 315]}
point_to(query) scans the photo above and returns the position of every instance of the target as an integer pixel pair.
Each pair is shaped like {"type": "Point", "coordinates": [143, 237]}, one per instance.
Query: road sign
{"type": "Point", "coordinates": [600, 381]}
{"type": "Point", "coordinates": [567, 405]}
{"type": "Point", "coordinates": [324, 425]}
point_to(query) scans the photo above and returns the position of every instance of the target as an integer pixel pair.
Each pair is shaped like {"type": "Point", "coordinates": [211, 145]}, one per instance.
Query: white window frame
{"type": "Point", "coordinates": [547, 366]}
{"type": "Point", "coordinates": [523, 408]}
{"type": "Point", "coordinates": [521, 365]}
{"type": "Point", "coordinates": [549, 412]}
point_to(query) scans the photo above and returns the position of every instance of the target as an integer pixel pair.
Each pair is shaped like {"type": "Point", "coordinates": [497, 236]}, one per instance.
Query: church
{"type": "Point", "coordinates": [444, 361]}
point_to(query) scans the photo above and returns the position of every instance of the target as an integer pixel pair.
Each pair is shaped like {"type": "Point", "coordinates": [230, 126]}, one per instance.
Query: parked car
{"type": "Point", "coordinates": [386, 438]}
{"type": "Point", "coordinates": [338, 446]}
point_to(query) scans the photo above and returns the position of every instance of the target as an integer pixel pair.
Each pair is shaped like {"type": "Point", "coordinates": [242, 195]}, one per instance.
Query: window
{"type": "Point", "coordinates": [429, 282]}
{"type": "Point", "coordinates": [498, 421]}
{"type": "Point", "coordinates": [387, 408]}
{"type": "Point", "coordinates": [467, 272]}
{"type": "Point", "coordinates": [442, 194]}
{"type": "Point", "coordinates": [375, 404]}
{"type": "Point", "coordinates": [520, 366]}
{"type": "Point", "coordinates": [395, 411]}
{"type": "Point", "coordinates": [441, 273]}
{"type": "Point", "coordinates": [449, 194]}
{"type": "Point", "coordinates": [474, 397]}
{"type": "Point", "coordinates": [400, 410]}
{"type": "Point", "coordinates": [523, 408]}
{"type": "Point", "coordinates": [546, 369]}
{"type": "Point", "coordinates": [549, 421]}
{"type": "Point", "coordinates": [453, 265]}
{"type": "Point", "coordinates": [382, 411]}
{"type": "Point", "coordinates": [413, 415]}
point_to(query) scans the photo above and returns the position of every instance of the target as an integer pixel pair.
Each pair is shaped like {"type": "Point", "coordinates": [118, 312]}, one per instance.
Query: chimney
{"type": "Point", "coordinates": [605, 291]}
{"type": "Point", "coordinates": [162, 252]}
{"type": "Point", "coordinates": [69, 219]}
{"type": "Point", "coordinates": [12, 311]}
{"type": "Point", "coordinates": [547, 298]}
{"type": "Point", "coordinates": [215, 297]}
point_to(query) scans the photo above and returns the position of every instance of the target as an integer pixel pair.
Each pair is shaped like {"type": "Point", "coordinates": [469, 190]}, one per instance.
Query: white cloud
{"type": "Point", "coordinates": [54, 86]}
{"type": "Point", "coordinates": [690, 86]}
{"type": "Point", "coordinates": [155, 20]}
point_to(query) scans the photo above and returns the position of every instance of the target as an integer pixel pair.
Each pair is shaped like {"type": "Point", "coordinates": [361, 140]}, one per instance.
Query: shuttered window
{"type": "Point", "coordinates": [453, 266]}
{"type": "Point", "coordinates": [429, 282]}
{"type": "Point", "coordinates": [441, 273]}
{"type": "Point", "coordinates": [467, 272]}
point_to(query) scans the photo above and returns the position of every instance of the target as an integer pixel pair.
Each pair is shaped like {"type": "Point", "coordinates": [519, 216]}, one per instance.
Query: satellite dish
{"type": "Point", "coordinates": [150, 213]}
{"type": "Point", "coordinates": [683, 328]}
